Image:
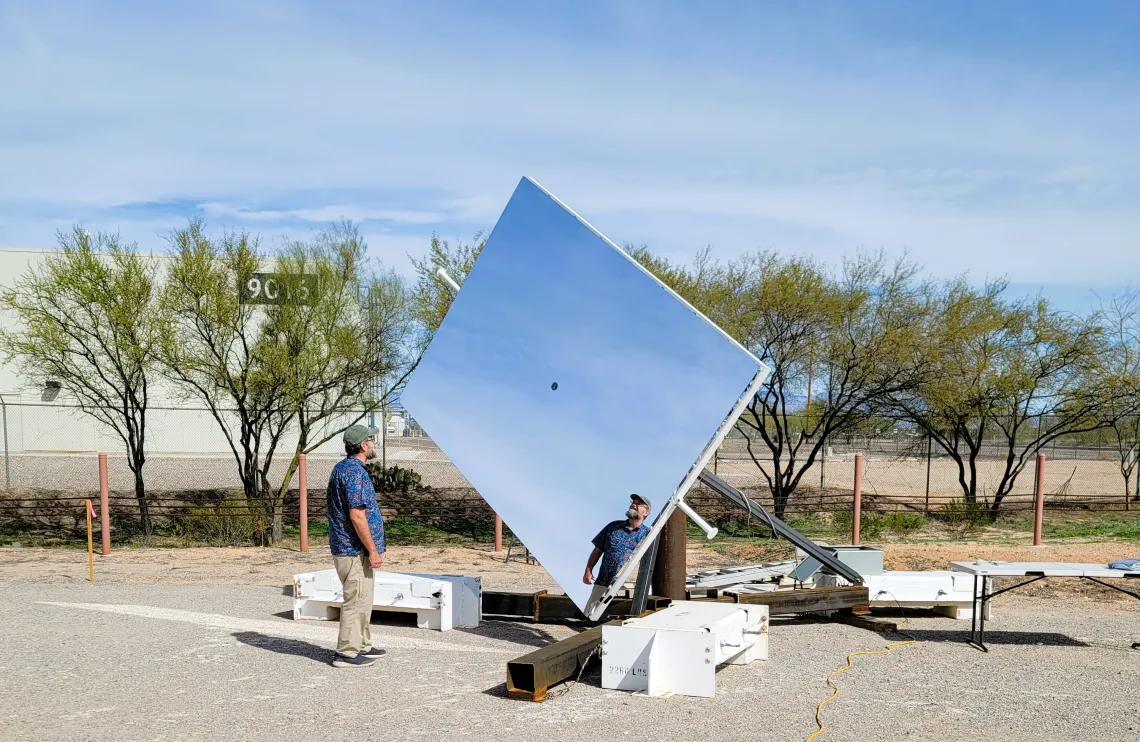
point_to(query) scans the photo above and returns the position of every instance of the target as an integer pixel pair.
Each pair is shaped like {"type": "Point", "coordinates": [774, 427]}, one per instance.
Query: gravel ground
{"type": "Point", "coordinates": [254, 566]}
{"type": "Point", "coordinates": [276, 566]}
{"type": "Point", "coordinates": [135, 658]}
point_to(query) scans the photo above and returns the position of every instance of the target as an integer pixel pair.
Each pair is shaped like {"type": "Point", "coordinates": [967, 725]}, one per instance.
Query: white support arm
{"type": "Point", "coordinates": [693, 516]}
{"type": "Point", "coordinates": [447, 279]}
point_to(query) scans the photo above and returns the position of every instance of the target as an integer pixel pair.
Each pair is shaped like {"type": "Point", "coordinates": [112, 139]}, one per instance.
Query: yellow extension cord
{"type": "Point", "coordinates": [845, 668]}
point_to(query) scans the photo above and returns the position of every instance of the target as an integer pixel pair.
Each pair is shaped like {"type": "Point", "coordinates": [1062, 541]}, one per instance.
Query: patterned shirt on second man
{"type": "Point", "coordinates": [616, 542]}
{"type": "Point", "coordinates": [351, 487]}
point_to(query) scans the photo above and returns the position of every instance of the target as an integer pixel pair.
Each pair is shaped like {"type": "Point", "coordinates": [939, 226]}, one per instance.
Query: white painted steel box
{"type": "Point", "coordinates": [677, 650]}
{"type": "Point", "coordinates": [440, 602]}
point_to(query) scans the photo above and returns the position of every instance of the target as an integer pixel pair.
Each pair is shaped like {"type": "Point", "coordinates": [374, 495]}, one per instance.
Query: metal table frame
{"type": "Point", "coordinates": [984, 596]}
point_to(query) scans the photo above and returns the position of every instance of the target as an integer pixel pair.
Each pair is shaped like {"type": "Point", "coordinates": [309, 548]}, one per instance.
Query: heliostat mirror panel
{"type": "Point", "coordinates": [565, 377]}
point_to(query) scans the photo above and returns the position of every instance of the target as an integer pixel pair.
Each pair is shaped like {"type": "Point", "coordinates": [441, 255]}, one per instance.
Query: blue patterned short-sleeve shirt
{"type": "Point", "coordinates": [616, 542]}
{"type": "Point", "coordinates": [351, 487]}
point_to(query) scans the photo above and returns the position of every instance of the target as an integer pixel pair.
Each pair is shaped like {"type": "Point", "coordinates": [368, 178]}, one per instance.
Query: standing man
{"type": "Point", "coordinates": [356, 539]}
{"type": "Point", "coordinates": [614, 545]}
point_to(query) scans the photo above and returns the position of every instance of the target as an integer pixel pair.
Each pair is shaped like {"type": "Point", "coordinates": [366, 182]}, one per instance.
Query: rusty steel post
{"type": "Point", "coordinates": [670, 572]}
{"type": "Point", "coordinates": [104, 505]}
{"type": "Point", "coordinates": [1039, 500]}
{"type": "Point", "coordinates": [498, 533]}
{"type": "Point", "coordinates": [530, 677]}
{"type": "Point", "coordinates": [929, 456]}
{"type": "Point", "coordinates": [90, 547]}
{"type": "Point", "coordinates": [857, 515]}
{"type": "Point", "coordinates": [303, 499]}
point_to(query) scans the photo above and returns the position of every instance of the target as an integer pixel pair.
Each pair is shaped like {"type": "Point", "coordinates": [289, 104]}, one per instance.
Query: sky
{"type": "Point", "coordinates": [997, 139]}
{"type": "Point", "coordinates": [564, 378]}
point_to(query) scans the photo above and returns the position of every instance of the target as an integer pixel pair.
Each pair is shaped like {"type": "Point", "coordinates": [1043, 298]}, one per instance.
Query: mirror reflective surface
{"type": "Point", "coordinates": [564, 378]}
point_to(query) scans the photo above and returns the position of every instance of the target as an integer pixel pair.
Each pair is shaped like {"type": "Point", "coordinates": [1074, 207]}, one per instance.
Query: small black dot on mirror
{"type": "Point", "coordinates": [554, 386]}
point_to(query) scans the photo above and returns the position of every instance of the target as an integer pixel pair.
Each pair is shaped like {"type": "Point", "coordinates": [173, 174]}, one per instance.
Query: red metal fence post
{"type": "Point", "coordinates": [498, 533]}
{"type": "Point", "coordinates": [104, 506]}
{"type": "Point", "coordinates": [1039, 500]}
{"type": "Point", "coordinates": [857, 516]}
{"type": "Point", "coordinates": [90, 547]}
{"type": "Point", "coordinates": [303, 499]}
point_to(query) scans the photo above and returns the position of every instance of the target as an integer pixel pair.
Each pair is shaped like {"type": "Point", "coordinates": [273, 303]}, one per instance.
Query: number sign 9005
{"type": "Point", "coordinates": [272, 288]}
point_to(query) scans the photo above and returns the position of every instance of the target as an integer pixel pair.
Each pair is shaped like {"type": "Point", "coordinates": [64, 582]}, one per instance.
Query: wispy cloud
{"type": "Point", "coordinates": [322, 214]}
{"type": "Point", "coordinates": [956, 138]}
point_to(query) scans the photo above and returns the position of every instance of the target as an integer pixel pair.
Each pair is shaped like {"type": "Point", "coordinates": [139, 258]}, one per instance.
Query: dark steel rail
{"type": "Point", "coordinates": [828, 559]}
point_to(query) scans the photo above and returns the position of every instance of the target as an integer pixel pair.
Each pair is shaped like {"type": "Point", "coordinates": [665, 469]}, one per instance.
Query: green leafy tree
{"type": "Point", "coordinates": [219, 350]}
{"type": "Point", "coordinates": [853, 334]}
{"type": "Point", "coordinates": [431, 296]}
{"type": "Point", "coordinates": [88, 319]}
{"type": "Point", "coordinates": [1122, 326]}
{"type": "Point", "coordinates": [1006, 376]}
{"type": "Point", "coordinates": [344, 347]}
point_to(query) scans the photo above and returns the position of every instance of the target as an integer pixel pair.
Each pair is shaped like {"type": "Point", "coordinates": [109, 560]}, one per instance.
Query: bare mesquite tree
{"type": "Point", "coordinates": [345, 347]}
{"type": "Point", "coordinates": [218, 350]}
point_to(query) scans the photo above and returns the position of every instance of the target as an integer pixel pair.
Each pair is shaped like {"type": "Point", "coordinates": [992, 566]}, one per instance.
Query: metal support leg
{"type": "Point", "coordinates": [644, 579]}
{"type": "Point", "coordinates": [710, 532]}
{"type": "Point", "coordinates": [979, 600]}
{"type": "Point", "coordinates": [974, 612]}
{"type": "Point", "coordinates": [982, 600]}
{"type": "Point", "coordinates": [982, 616]}
{"type": "Point", "coordinates": [1112, 587]}
{"type": "Point", "coordinates": [526, 552]}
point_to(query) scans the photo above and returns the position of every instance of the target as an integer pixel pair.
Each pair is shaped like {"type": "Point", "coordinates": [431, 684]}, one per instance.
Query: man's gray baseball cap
{"type": "Point", "coordinates": [644, 499]}
{"type": "Point", "coordinates": [355, 435]}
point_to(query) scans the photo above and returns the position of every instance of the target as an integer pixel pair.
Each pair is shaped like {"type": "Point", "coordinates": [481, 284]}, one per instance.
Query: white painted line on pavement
{"type": "Point", "coordinates": [325, 634]}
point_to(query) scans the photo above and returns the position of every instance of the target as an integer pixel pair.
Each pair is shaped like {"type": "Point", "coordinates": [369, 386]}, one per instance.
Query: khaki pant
{"type": "Point", "coordinates": [356, 576]}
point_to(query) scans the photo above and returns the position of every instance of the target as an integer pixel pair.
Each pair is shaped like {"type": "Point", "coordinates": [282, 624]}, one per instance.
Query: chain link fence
{"type": "Point", "coordinates": [186, 492]}
{"type": "Point", "coordinates": [911, 475]}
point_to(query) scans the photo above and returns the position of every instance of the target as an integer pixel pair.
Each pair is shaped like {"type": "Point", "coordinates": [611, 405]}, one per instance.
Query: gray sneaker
{"type": "Point", "coordinates": [372, 652]}
{"type": "Point", "coordinates": [339, 660]}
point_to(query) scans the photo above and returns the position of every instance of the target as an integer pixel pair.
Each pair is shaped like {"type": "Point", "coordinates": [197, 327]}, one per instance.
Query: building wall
{"type": "Point", "coordinates": [37, 423]}
{"type": "Point", "coordinates": [14, 263]}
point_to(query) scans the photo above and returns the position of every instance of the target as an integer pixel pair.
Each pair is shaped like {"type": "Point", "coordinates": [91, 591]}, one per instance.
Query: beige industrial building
{"type": "Point", "coordinates": [41, 420]}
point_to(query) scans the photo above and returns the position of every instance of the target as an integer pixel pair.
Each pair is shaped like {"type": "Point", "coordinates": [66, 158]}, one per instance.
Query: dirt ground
{"type": "Point", "coordinates": [276, 566]}
{"type": "Point", "coordinates": [200, 644]}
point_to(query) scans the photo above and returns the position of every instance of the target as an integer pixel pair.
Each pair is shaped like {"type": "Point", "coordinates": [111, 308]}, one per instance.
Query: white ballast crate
{"type": "Point", "coordinates": [440, 602]}
{"type": "Point", "coordinates": [946, 592]}
{"type": "Point", "coordinates": [677, 650]}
